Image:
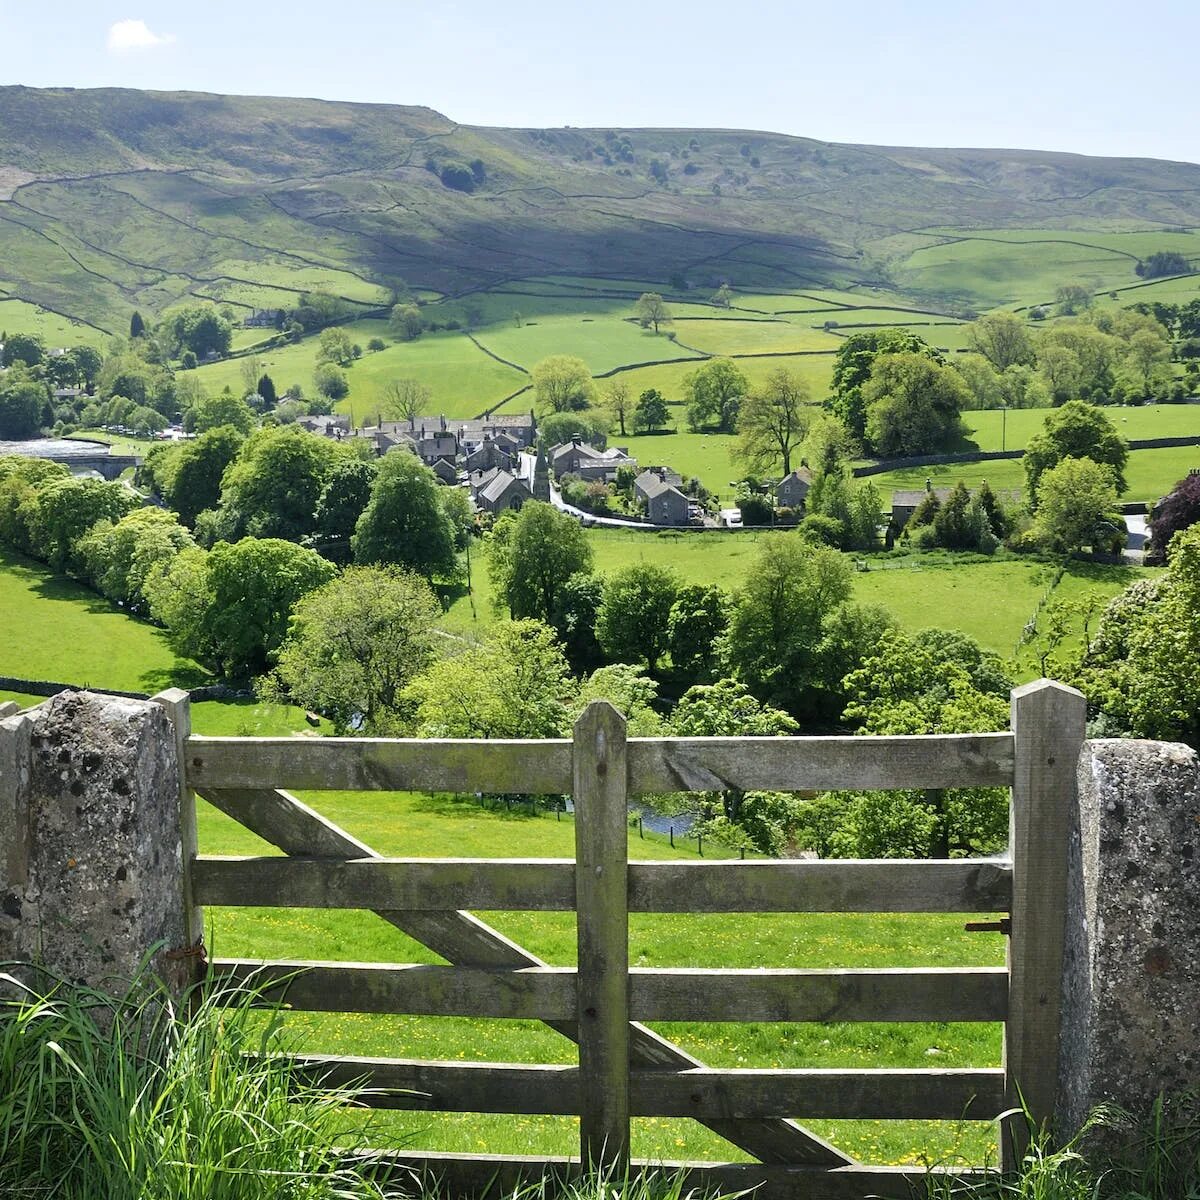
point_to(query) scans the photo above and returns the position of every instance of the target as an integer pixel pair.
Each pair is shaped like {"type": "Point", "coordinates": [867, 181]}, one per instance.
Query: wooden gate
{"type": "Point", "coordinates": [625, 1069]}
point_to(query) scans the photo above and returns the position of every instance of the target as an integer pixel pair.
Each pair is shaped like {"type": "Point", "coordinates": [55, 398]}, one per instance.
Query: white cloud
{"type": "Point", "coordinates": [127, 36]}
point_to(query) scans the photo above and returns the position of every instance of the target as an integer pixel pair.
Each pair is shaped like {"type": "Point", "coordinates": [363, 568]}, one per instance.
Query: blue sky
{"type": "Point", "coordinates": [1097, 78]}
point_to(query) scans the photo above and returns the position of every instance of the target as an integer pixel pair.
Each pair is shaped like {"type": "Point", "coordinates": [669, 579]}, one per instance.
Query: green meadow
{"type": "Point", "coordinates": [19, 316]}
{"type": "Point", "coordinates": [991, 599]}
{"type": "Point", "coordinates": [1150, 474]}
{"type": "Point", "coordinates": [463, 379]}
{"type": "Point", "coordinates": [57, 630]}
{"type": "Point", "coordinates": [985, 429]}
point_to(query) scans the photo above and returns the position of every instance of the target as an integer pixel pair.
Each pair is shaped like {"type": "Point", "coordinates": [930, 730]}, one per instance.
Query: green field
{"type": "Point", "coordinates": [991, 599]}
{"type": "Point", "coordinates": [706, 456]}
{"type": "Point", "coordinates": [814, 369]}
{"type": "Point", "coordinates": [18, 316]}
{"type": "Point", "coordinates": [992, 272]}
{"type": "Point", "coordinates": [985, 428]}
{"type": "Point", "coordinates": [463, 379]}
{"type": "Point", "coordinates": [60, 631]}
{"type": "Point", "coordinates": [754, 337]}
{"type": "Point", "coordinates": [1150, 474]}
{"type": "Point", "coordinates": [603, 342]}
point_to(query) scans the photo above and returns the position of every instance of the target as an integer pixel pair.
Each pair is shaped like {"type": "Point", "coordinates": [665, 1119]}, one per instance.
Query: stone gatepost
{"type": "Point", "coordinates": [1131, 982]}
{"type": "Point", "coordinates": [90, 849]}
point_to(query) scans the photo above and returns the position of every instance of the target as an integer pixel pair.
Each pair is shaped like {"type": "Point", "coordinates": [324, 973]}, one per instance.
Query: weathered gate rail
{"type": "Point", "coordinates": [625, 1069]}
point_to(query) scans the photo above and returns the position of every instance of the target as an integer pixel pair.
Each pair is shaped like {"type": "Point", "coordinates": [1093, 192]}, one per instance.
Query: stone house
{"type": "Point", "coordinates": [330, 426]}
{"type": "Point", "coordinates": [792, 491]}
{"type": "Point", "coordinates": [497, 491]}
{"type": "Point", "coordinates": [576, 457]}
{"type": "Point", "coordinates": [665, 505]}
{"type": "Point", "coordinates": [445, 471]}
{"type": "Point", "coordinates": [494, 452]}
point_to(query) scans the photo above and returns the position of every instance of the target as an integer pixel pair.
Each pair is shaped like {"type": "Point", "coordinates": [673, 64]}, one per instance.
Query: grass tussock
{"type": "Point", "coordinates": [122, 1099]}
{"type": "Point", "coordinates": [1117, 1155]}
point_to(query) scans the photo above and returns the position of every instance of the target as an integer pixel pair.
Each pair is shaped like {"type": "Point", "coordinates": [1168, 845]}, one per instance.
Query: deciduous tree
{"type": "Point", "coordinates": [913, 405]}
{"type": "Point", "coordinates": [1178, 510]}
{"type": "Point", "coordinates": [229, 608]}
{"type": "Point", "coordinates": [651, 309]}
{"type": "Point", "coordinates": [563, 383]}
{"type": "Point", "coordinates": [651, 411]}
{"type": "Point", "coordinates": [211, 412]}
{"type": "Point", "coordinates": [852, 367]}
{"type": "Point", "coordinates": [1076, 503]}
{"type": "Point", "coordinates": [515, 684]}
{"type": "Point", "coordinates": [773, 421]}
{"type": "Point", "coordinates": [357, 642]}
{"type": "Point", "coordinates": [405, 523]}
{"type": "Point", "coordinates": [531, 555]}
{"type": "Point", "coordinates": [699, 618]}
{"type": "Point", "coordinates": [190, 479]}
{"type": "Point", "coordinates": [714, 394]}
{"type": "Point", "coordinates": [273, 487]}
{"type": "Point", "coordinates": [405, 400]}
{"type": "Point", "coordinates": [1002, 338]}
{"type": "Point", "coordinates": [22, 399]}
{"type": "Point", "coordinates": [616, 400]}
{"type": "Point", "coordinates": [1076, 430]}
{"type": "Point", "coordinates": [776, 618]}
{"type": "Point", "coordinates": [632, 624]}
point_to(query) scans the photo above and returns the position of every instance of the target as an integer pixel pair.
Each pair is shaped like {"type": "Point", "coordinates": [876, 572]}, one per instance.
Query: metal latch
{"type": "Point", "coordinates": [1004, 926]}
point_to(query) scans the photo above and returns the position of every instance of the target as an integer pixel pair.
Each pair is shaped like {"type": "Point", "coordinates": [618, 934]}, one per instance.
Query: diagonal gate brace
{"type": "Point", "coordinates": [463, 940]}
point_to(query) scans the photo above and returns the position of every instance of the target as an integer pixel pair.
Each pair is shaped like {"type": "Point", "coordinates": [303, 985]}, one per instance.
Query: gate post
{"type": "Point", "coordinates": [1048, 723]}
{"type": "Point", "coordinates": [178, 705]}
{"type": "Point", "coordinates": [600, 784]}
{"type": "Point", "coordinates": [89, 840]}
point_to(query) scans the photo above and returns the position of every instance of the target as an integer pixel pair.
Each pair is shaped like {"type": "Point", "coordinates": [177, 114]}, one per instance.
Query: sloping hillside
{"type": "Point", "coordinates": [112, 200]}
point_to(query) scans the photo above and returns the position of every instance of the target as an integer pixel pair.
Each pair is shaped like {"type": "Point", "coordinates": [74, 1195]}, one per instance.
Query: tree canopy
{"type": "Point", "coordinates": [531, 555]}
{"type": "Point", "coordinates": [775, 625]}
{"type": "Point", "coordinates": [651, 309]}
{"type": "Point", "coordinates": [514, 684]}
{"type": "Point", "coordinates": [1176, 511]}
{"type": "Point", "coordinates": [773, 421]}
{"type": "Point", "coordinates": [356, 643]}
{"type": "Point", "coordinates": [1076, 430]}
{"type": "Point", "coordinates": [912, 405]}
{"type": "Point", "coordinates": [633, 622]}
{"type": "Point", "coordinates": [229, 608]}
{"type": "Point", "coordinates": [563, 383]}
{"type": "Point", "coordinates": [404, 523]}
{"type": "Point", "coordinates": [852, 366]}
{"type": "Point", "coordinates": [1076, 502]}
{"type": "Point", "coordinates": [273, 487]}
{"type": "Point", "coordinates": [714, 393]}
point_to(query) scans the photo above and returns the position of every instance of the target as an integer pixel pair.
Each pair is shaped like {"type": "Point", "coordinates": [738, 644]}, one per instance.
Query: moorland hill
{"type": "Point", "coordinates": [113, 200]}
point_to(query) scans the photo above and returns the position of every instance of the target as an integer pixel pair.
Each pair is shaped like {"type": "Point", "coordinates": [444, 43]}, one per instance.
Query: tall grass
{"type": "Point", "coordinates": [123, 1099]}
{"type": "Point", "coordinates": [1115, 1156]}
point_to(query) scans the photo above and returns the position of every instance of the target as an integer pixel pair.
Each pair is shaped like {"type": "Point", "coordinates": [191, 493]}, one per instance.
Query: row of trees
{"type": "Point", "coordinates": [1105, 355]}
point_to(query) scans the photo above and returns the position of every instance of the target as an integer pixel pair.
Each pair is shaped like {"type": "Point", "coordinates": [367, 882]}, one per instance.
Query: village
{"type": "Point", "coordinates": [502, 464]}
